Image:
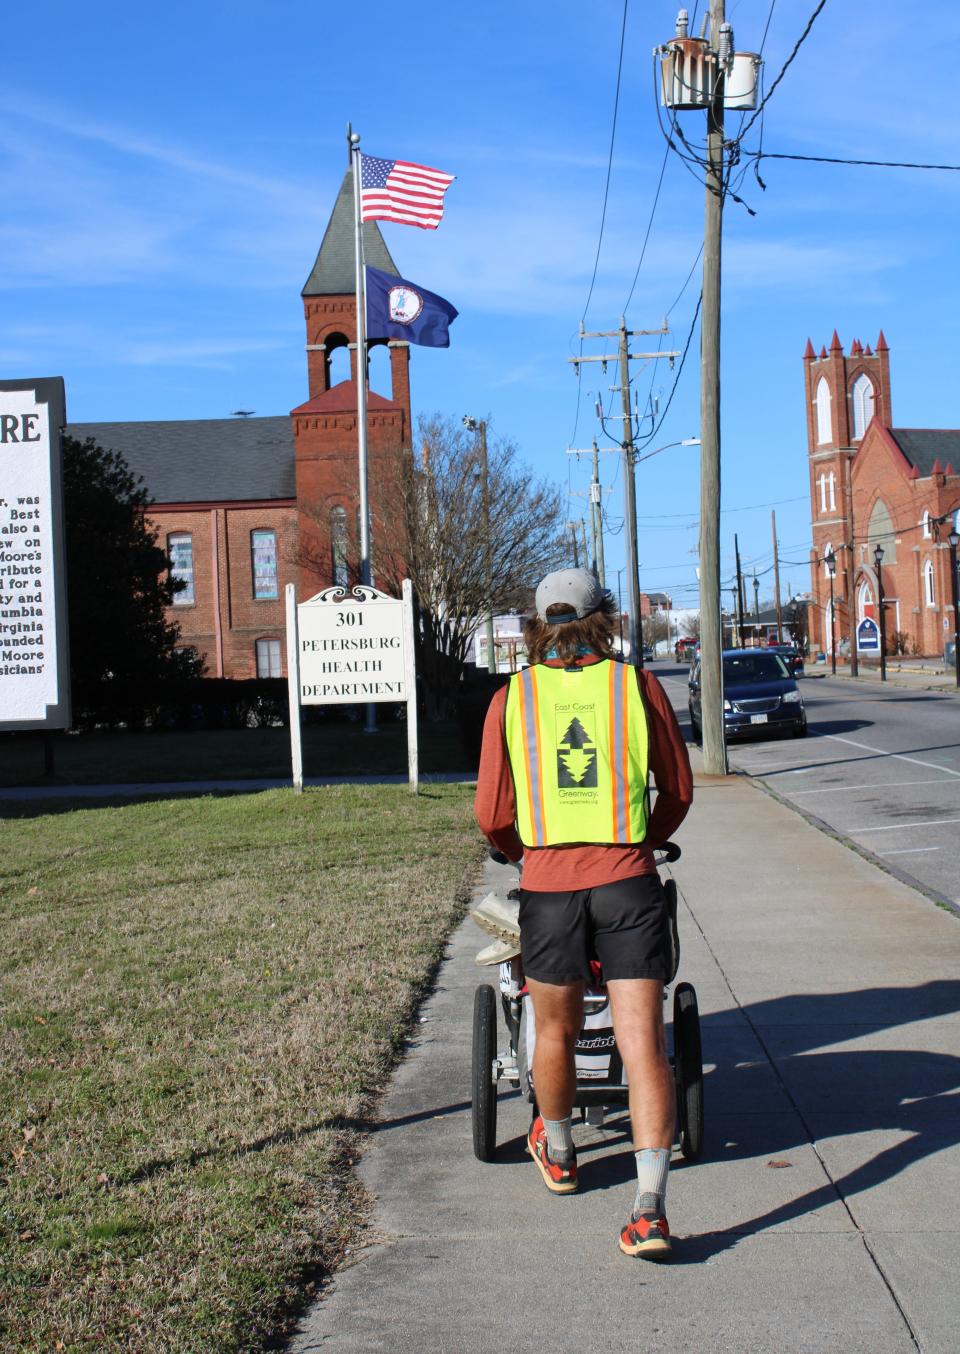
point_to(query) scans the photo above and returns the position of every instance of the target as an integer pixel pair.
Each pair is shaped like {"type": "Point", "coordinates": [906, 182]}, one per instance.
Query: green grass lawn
{"type": "Point", "coordinates": [198, 998]}
{"type": "Point", "coordinates": [331, 748]}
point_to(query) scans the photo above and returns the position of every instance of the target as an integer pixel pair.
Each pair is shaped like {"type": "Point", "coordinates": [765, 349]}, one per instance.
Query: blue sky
{"type": "Point", "coordinates": [168, 171]}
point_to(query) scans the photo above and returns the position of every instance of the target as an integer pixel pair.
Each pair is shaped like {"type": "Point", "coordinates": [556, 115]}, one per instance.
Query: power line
{"type": "Point", "coordinates": [837, 160]}
{"type": "Point", "coordinates": [646, 238]}
{"type": "Point", "coordinates": [783, 70]}
{"type": "Point", "coordinates": [603, 214]}
{"type": "Point", "coordinates": [613, 137]}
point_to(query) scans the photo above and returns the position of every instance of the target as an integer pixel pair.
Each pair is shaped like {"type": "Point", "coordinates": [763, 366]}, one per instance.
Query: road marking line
{"type": "Point", "coordinates": [873, 785]}
{"type": "Point", "coordinates": [910, 851]}
{"type": "Point", "coordinates": [894, 827]}
{"type": "Point", "coordinates": [900, 756]}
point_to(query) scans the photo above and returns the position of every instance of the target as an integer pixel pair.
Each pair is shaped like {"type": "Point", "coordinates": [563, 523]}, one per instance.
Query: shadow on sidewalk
{"type": "Point", "coordinates": [834, 1093]}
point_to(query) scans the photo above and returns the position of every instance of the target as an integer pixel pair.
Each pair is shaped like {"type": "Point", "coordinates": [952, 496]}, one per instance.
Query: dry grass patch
{"type": "Point", "coordinates": [198, 999]}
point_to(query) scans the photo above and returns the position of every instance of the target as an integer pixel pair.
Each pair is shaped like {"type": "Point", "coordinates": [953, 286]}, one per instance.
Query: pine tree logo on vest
{"type": "Point", "coordinates": [576, 749]}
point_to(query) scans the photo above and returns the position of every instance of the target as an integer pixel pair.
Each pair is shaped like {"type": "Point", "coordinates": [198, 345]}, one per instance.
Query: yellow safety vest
{"type": "Point", "coordinates": [578, 749]}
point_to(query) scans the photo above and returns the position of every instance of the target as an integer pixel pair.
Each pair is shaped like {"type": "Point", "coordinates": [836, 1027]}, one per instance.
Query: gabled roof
{"type": "Point", "coordinates": [333, 273]}
{"type": "Point", "coordinates": [203, 460]}
{"type": "Point", "coordinates": [924, 446]}
{"type": "Point", "coordinates": [342, 399]}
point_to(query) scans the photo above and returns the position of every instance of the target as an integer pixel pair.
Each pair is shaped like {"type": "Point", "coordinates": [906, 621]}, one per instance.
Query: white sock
{"type": "Point", "coordinates": [559, 1137]}
{"type": "Point", "coordinates": [653, 1167]}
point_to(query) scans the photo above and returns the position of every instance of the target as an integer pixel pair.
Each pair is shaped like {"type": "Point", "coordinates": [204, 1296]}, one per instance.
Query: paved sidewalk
{"type": "Point", "coordinates": [829, 996]}
{"type": "Point", "coordinates": [914, 678]}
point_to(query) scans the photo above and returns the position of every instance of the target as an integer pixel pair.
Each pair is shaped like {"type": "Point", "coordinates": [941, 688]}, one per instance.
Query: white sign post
{"type": "Point", "coordinates": [34, 655]}
{"type": "Point", "coordinates": [351, 648]}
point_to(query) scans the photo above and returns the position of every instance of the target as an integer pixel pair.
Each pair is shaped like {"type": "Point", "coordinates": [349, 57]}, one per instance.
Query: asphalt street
{"type": "Point", "coordinates": [880, 766]}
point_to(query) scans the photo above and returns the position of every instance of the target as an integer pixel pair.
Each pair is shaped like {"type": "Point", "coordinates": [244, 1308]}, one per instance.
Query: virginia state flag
{"type": "Point", "coordinates": [399, 309]}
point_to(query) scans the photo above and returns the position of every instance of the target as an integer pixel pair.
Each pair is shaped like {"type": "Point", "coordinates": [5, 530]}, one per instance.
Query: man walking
{"type": "Point", "coordinates": [567, 748]}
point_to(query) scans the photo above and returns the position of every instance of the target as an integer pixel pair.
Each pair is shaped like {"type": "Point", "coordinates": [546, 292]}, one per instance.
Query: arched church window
{"type": "Point", "coordinates": [880, 532]}
{"type": "Point", "coordinates": [338, 547]}
{"type": "Point", "coordinates": [929, 589]}
{"type": "Point", "coordinates": [824, 424]}
{"type": "Point", "coordinates": [864, 600]}
{"type": "Point", "coordinates": [862, 405]}
{"type": "Point", "coordinates": [925, 524]}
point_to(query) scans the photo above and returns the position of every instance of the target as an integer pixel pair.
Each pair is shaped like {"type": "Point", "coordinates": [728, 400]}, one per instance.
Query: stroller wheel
{"type": "Point", "coordinates": [484, 1085]}
{"type": "Point", "coordinates": [688, 1070]}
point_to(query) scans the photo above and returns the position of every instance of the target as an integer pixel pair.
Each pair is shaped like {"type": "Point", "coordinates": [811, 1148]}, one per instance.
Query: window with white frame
{"type": "Point", "coordinates": [263, 552]}
{"type": "Point", "coordinates": [268, 658]}
{"type": "Point", "coordinates": [828, 499]}
{"type": "Point", "coordinates": [864, 599]}
{"type": "Point", "coordinates": [863, 404]}
{"type": "Point", "coordinates": [925, 524]}
{"type": "Point", "coordinates": [180, 550]}
{"type": "Point", "coordinates": [929, 590]}
{"type": "Point", "coordinates": [824, 422]}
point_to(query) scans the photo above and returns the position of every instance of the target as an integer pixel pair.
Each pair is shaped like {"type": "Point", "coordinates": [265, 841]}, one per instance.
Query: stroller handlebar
{"type": "Point", "coordinates": [669, 852]}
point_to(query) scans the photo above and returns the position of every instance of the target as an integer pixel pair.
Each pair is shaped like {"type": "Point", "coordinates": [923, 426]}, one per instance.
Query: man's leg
{"type": "Point", "coordinates": [558, 1011]}
{"type": "Point", "coordinates": [636, 1005]}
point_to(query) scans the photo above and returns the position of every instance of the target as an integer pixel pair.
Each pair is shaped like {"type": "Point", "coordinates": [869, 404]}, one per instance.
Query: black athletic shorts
{"type": "Point", "coordinates": [624, 925]}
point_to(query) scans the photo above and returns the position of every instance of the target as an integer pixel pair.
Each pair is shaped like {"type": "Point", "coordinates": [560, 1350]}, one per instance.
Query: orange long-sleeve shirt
{"type": "Point", "coordinates": [551, 869]}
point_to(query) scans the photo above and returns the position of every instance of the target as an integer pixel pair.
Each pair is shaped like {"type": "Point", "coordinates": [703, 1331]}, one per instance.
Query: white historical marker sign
{"type": "Point", "coordinates": [34, 658]}
{"type": "Point", "coordinates": [351, 648]}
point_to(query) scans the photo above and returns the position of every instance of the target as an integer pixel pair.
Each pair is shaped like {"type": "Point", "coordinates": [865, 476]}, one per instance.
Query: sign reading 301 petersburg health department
{"type": "Point", "coordinates": [351, 647]}
{"type": "Point", "coordinates": [34, 659]}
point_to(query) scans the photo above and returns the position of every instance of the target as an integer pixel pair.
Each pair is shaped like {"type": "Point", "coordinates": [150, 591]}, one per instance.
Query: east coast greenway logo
{"type": "Point", "coordinates": [576, 748]}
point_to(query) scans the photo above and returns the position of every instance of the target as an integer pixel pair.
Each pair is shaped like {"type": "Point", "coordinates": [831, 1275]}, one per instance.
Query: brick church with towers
{"type": "Point", "coordinates": [875, 484]}
{"type": "Point", "coordinates": [244, 506]}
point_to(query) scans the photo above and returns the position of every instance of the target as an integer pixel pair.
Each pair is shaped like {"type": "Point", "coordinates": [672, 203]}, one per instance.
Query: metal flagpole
{"type": "Point", "coordinates": [365, 572]}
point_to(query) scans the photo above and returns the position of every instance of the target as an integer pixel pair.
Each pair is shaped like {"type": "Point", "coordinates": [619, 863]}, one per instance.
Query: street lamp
{"type": "Point", "coordinates": [954, 540]}
{"type": "Point", "coordinates": [878, 556]}
{"type": "Point", "coordinates": [830, 560]}
{"type": "Point", "coordinates": [479, 426]}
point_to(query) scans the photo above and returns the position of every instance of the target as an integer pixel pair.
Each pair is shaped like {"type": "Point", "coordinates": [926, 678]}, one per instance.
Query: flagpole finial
{"type": "Point", "coordinates": [354, 138]}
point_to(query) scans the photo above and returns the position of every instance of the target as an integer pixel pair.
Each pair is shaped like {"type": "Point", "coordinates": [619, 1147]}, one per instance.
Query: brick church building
{"type": "Point", "coordinates": [244, 506]}
{"type": "Point", "coordinates": [872, 483]}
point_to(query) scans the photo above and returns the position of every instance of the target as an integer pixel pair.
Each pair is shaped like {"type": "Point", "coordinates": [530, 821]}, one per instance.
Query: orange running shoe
{"type": "Point", "coordinates": [559, 1177]}
{"type": "Point", "coordinates": [646, 1235]}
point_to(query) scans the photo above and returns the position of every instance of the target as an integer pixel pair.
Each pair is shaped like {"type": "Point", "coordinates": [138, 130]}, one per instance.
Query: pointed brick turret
{"type": "Point", "coordinates": [808, 354]}
{"type": "Point", "coordinates": [856, 348]}
{"type": "Point", "coordinates": [823, 352]}
{"type": "Point", "coordinates": [949, 469]}
{"type": "Point", "coordinates": [835, 345]}
{"type": "Point", "coordinates": [936, 468]}
{"type": "Point", "coordinates": [882, 344]}
{"type": "Point", "coordinates": [868, 351]}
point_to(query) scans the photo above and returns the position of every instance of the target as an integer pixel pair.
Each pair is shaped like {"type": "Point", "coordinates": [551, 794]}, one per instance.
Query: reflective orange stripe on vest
{"type": "Point", "coordinates": [577, 747]}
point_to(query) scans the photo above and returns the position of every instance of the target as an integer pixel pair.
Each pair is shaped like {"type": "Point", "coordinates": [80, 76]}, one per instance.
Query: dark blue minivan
{"type": "Point", "coordinates": [760, 696]}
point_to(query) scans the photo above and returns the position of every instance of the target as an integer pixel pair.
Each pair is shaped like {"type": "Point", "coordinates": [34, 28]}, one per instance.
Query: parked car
{"type": "Point", "coordinates": [648, 654]}
{"type": "Point", "coordinates": [791, 655]}
{"type": "Point", "coordinates": [760, 696]}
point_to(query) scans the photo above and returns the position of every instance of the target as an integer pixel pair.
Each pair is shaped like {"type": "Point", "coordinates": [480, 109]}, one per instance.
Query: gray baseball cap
{"type": "Point", "coordinates": [575, 588]}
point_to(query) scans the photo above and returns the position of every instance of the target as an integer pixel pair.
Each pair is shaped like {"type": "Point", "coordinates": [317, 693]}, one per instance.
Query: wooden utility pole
{"type": "Point", "coordinates": [776, 576]}
{"type": "Point", "coordinates": [596, 516]}
{"type": "Point", "coordinates": [711, 643]}
{"type": "Point", "coordinates": [624, 358]}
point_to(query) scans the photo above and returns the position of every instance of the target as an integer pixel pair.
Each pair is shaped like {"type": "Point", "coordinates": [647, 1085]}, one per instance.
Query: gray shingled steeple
{"type": "Point", "coordinates": [333, 272]}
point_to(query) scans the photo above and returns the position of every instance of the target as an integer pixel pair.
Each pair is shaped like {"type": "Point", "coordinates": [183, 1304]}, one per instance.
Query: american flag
{"type": "Point", "coordinates": [396, 190]}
